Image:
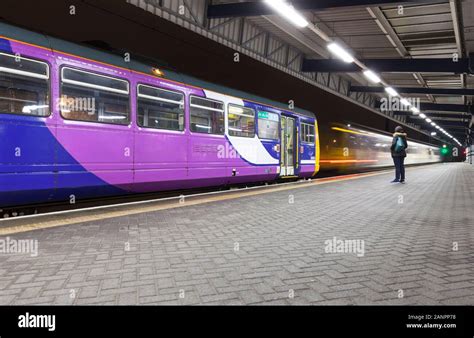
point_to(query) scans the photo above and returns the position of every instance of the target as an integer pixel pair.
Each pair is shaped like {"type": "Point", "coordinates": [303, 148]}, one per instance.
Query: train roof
{"type": "Point", "coordinates": [114, 59]}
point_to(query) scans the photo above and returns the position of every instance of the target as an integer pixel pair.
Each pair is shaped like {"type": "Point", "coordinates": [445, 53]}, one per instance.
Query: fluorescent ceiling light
{"type": "Point", "coordinates": [406, 103]}
{"type": "Point", "coordinates": [433, 124]}
{"type": "Point", "coordinates": [340, 52]}
{"type": "Point", "coordinates": [391, 91]}
{"type": "Point", "coordinates": [428, 120]}
{"type": "Point", "coordinates": [423, 116]}
{"type": "Point", "coordinates": [372, 76]}
{"type": "Point", "coordinates": [288, 12]}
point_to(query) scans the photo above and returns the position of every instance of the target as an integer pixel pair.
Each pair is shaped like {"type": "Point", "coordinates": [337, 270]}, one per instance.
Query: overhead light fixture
{"type": "Point", "coordinates": [438, 127]}
{"type": "Point", "coordinates": [288, 12]}
{"type": "Point", "coordinates": [372, 76]}
{"type": "Point", "coordinates": [157, 72]}
{"type": "Point", "coordinates": [391, 91]}
{"type": "Point", "coordinates": [433, 124]}
{"type": "Point", "coordinates": [340, 52]}
{"type": "Point", "coordinates": [406, 103]}
{"type": "Point", "coordinates": [415, 110]}
{"type": "Point", "coordinates": [433, 133]}
{"type": "Point", "coordinates": [423, 116]}
{"type": "Point", "coordinates": [428, 120]}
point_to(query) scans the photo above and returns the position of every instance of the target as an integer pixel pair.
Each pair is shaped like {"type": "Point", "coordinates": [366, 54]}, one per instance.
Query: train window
{"type": "Point", "coordinates": [307, 132]}
{"type": "Point", "coordinates": [268, 125]}
{"type": "Point", "coordinates": [241, 121]}
{"type": "Point", "coordinates": [92, 97]}
{"type": "Point", "coordinates": [207, 116]}
{"type": "Point", "coordinates": [160, 108]}
{"type": "Point", "coordinates": [24, 86]}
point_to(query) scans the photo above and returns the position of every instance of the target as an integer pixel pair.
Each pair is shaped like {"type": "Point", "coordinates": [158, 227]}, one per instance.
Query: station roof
{"type": "Point", "coordinates": [423, 49]}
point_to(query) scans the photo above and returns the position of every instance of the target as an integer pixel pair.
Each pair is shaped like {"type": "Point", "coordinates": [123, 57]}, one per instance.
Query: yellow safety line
{"type": "Point", "coordinates": [100, 215]}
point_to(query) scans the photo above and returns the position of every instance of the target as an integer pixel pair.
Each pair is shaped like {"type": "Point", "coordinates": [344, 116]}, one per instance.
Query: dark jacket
{"type": "Point", "coordinates": [402, 153]}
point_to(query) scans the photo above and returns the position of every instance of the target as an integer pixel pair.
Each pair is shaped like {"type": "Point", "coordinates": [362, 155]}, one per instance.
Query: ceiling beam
{"type": "Point", "coordinates": [461, 123]}
{"type": "Point", "coordinates": [446, 107]}
{"type": "Point", "coordinates": [441, 107]}
{"type": "Point", "coordinates": [416, 90]}
{"type": "Point", "coordinates": [316, 44]}
{"type": "Point", "coordinates": [257, 8]}
{"type": "Point", "coordinates": [386, 27]}
{"type": "Point", "coordinates": [463, 65]}
{"type": "Point", "coordinates": [435, 114]}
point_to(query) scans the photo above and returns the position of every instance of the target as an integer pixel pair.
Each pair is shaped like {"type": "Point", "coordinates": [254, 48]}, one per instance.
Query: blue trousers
{"type": "Point", "coordinates": [399, 168]}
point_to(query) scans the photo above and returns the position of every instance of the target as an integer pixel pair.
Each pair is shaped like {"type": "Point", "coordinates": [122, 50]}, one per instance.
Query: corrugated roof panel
{"type": "Point", "coordinates": [429, 27]}
{"type": "Point", "coordinates": [421, 19]}
{"type": "Point", "coordinates": [342, 14]}
{"type": "Point", "coordinates": [426, 9]}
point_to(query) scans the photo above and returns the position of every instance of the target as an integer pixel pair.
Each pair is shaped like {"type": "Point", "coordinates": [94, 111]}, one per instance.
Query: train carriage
{"type": "Point", "coordinates": [78, 123]}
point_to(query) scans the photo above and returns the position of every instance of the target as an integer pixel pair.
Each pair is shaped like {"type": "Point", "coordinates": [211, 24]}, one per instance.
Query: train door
{"type": "Point", "coordinates": [287, 159]}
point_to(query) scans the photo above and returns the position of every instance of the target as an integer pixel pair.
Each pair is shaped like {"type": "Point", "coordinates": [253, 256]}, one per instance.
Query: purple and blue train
{"type": "Point", "coordinates": [78, 123]}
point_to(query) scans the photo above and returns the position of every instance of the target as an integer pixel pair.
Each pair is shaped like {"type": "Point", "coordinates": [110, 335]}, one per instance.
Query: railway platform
{"type": "Point", "coordinates": [351, 240]}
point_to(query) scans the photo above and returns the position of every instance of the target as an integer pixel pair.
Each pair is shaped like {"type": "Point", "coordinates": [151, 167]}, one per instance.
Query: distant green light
{"type": "Point", "coordinates": [444, 151]}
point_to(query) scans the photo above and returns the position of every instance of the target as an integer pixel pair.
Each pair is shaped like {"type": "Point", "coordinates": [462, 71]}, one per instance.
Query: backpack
{"type": "Point", "coordinates": [399, 145]}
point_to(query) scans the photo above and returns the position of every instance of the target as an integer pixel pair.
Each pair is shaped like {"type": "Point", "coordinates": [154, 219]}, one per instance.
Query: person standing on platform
{"type": "Point", "coordinates": [399, 144]}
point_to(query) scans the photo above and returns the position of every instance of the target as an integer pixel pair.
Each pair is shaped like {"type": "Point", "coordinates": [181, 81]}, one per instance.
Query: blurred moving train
{"type": "Point", "coordinates": [78, 123]}
{"type": "Point", "coordinates": [350, 147]}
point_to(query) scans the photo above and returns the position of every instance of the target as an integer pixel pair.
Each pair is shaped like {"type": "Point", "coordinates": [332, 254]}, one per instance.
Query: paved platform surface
{"type": "Point", "coordinates": [268, 249]}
